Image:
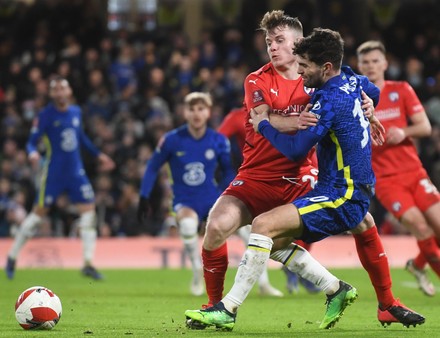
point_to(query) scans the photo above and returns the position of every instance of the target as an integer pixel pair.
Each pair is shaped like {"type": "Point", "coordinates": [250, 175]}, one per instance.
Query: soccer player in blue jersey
{"type": "Point", "coordinates": [339, 201]}
{"type": "Point", "coordinates": [59, 126]}
{"type": "Point", "coordinates": [194, 152]}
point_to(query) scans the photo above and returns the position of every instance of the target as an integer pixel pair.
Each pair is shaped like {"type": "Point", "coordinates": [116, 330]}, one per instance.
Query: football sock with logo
{"type": "Point", "coordinates": [374, 260]}
{"type": "Point", "coordinates": [252, 265]}
{"type": "Point", "coordinates": [215, 264]}
{"type": "Point", "coordinates": [299, 260]}
{"type": "Point", "coordinates": [244, 232]}
{"type": "Point", "coordinates": [431, 252]}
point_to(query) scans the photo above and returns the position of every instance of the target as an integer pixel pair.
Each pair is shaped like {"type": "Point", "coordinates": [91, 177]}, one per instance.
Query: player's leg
{"type": "Point", "coordinates": [374, 260]}
{"type": "Point", "coordinates": [27, 230]}
{"type": "Point", "coordinates": [188, 222]}
{"type": "Point", "coordinates": [88, 232]}
{"type": "Point", "coordinates": [225, 217]}
{"type": "Point", "coordinates": [264, 285]}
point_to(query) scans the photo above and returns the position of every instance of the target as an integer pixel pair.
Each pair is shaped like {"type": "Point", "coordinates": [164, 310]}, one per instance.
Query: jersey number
{"type": "Point", "coordinates": [357, 112]}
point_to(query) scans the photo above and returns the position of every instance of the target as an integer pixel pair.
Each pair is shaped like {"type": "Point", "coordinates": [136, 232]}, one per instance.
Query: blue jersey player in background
{"type": "Point", "coordinates": [194, 152]}
{"type": "Point", "coordinates": [339, 201]}
{"type": "Point", "coordinates": [59, 127]}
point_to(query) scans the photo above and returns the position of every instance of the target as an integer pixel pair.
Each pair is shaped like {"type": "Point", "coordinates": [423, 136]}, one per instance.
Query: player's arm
{"type": "Point", "coordinates": [105, 161]}
{"type": "Point", "coordinates": [37, 131]}
{"type": "Point", "coordinates": [160, 156]}
{"type": "Point", "coordinates": [225, 163]}
{"type": "Point", "coordinates": [419, 127]}
{"type": "Point", "coordinates": [294, 147]}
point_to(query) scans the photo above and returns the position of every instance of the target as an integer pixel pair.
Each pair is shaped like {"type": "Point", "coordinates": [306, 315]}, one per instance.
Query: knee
{"type": "Point", "coordinates": [87, 220]}
{"type": "Point", "coordinates": [365, 224]}
{"type": "Point", "coordinates": [216, 234]}
{"type": "Point", "coordinates": [188, 227]}
{"type": "Point", "coordinates": [260, 223]}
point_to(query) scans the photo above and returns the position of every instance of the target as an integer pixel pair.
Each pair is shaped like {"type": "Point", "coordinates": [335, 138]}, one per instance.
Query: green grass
{"type": "Point", "coordinates": [151, 303]}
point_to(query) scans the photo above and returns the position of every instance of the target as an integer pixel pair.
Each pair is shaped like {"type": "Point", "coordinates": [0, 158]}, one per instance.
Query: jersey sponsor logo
{"type": "Point", "coordinates": [253, 81]}
{"type": "Point", "coordinates": [388, 114]}
{"type": "Point", "coordinates": [393, 96]}
{"type": "Point", "coordinates": [209, 154]}
{"type": "Point", "coordinates": [257, 96]}
{"type": "Point", "coordinates": [237, 183]}
{"type": "Point", "coordinates": [292, 110]}
{"type": "Point", "coordinates": [309, 91]}
{"type": "Point", "coordinates": [396, 206]}
{"type": "Point", "coordinates": [194, 174]}
{"type": "Point", "coordinates": [274, 91]}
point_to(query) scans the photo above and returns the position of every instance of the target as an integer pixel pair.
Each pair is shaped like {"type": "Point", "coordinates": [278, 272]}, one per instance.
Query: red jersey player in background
{"type": "Point", "coordinates": [403, 186]}
{"type": "Point", "coordinates": [233, 127]}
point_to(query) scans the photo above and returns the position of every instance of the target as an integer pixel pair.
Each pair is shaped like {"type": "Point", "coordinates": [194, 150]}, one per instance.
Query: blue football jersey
{"type": "Point", "coordinates": [344, 151]}
{"type": "Point", "coordinates": [193, 164]}
{"type": "Point", "coordinates": [63, 137]}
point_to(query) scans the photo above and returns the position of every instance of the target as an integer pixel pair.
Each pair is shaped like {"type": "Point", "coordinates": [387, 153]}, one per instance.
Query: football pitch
{"type": "Point", "coordinates": [151, 303]}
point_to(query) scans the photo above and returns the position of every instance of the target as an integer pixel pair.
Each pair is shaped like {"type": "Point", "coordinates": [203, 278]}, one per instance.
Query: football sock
{"type": "Point", "coordinates": [215, 264]}
{"type": "Point", "coordinates": [374, 260]}
{"type": "Point", "coordinates": [420, 261]}
{"type": "Point", "coordinates": [299, 260]}
{"type": "Point", "coordinates": [306, 246]}
{"type": "Point", "coordinates": [26, 231]}
{"type": "Point", "coordinates": [244, 232]}
{"type": "Point", "coordinates": [431, 252]}
{"type": "Point", "coordinates": [188, 231]}
{"type": "Point", "coordinates": [88, 234]}
{"type": "Point", "coordinates": [251, 266]}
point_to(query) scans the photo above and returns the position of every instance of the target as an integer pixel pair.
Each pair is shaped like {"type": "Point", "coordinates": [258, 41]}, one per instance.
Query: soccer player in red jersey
{"type": "Point", "coordinates": [403, 186]}
{"type": "Point", "coordinates": [267, 179]}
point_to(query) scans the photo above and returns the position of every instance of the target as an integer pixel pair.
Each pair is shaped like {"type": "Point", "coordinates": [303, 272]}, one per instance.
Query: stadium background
{"type": "Point", "coordinates": [130, 63]}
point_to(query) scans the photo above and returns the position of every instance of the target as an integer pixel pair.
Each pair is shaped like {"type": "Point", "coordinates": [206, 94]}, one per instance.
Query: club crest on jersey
{"type": "Point", "coordinates": [257, 96]}
{"type": "Point", "coordinates": [237, 183]}
{"type": "Point", "coordinates": [309, 91]}
{"type": "Point", "coordinates": [209, 154]}
{"type": "Point", "coordinates": [316, 106]}
{"type": "Point", "coordinates": [393, 96]}
{"type": "Point", "coordinates": [396, 206]}
{"type": "Point", "coordinates": [75, 122]}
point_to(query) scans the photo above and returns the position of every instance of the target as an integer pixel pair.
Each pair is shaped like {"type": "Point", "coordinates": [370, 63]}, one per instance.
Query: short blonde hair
{"type": "Point", "coordinates": [369, 46]}
{"type": "Point", "coordinates": [198, 97]}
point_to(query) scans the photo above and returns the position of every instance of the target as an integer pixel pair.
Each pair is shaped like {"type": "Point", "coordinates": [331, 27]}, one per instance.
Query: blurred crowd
{"type": "Point", "coordinates": [130, 84]}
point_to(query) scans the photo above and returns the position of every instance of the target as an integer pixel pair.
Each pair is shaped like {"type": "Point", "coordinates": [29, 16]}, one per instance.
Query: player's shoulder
{"type": "Point", "coordinates": [75, 109]}
{"type": "Point", "coordinates": [397, 85]}
{"type": "Point", "coordinates": [260, 73]}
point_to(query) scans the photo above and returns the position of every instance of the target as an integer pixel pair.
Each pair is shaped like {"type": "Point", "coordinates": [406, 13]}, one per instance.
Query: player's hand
{"type": "Point", "coordinates": [395, 135]}
{"type": "Point", "coordinates": [144, 209]}
{"type": "Point", "coordinates": [377, 131]}
{"type": "Point", "coordinates": [106, 163]}
{"type": "Point", "coordinates": [256, 118]}
{"type": "Point", "coordinates": [34, 159]}
{"type": "Point", "coordinates": [306, 118]}
{"type": "Point", "coordinates": [367, 106]}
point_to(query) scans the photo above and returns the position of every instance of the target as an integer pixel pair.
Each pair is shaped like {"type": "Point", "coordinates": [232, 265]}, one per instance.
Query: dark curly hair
{"type": "Point", "coordinates": [321, 46]}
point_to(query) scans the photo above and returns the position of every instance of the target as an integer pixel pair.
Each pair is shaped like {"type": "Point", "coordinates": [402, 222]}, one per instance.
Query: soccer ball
{"type": "Point", "coordinates": [38, 308]}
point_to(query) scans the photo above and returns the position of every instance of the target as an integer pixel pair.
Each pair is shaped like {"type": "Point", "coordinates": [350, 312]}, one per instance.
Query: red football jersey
{"type": "Point", "coordinates": [286, 97]}
{"type": "Point", "coordinates": [233, 125]}
{"type": "Point", "coordinates": [397, 103]}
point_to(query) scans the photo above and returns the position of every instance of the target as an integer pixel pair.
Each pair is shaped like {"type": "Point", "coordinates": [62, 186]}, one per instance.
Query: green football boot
{"type": "Point", "coordinates": [337, 303]}
{"type": "Point", "coordinates": [216, 316]}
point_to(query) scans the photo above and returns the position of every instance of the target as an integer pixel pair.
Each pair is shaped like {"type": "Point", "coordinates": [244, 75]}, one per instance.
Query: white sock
{"type": "Point", "coordinates": [26, 231]}
{"type": "Point", "coordinates": [188, 232]}
{"type": "Point", "coordinates": [88, 233]}
{"type": "Point", "coordinates": [244, 233]}
{"type": "Point", "coordinates": [252, 265]}
{"type": "Point", "coordinates": [297, 259]}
